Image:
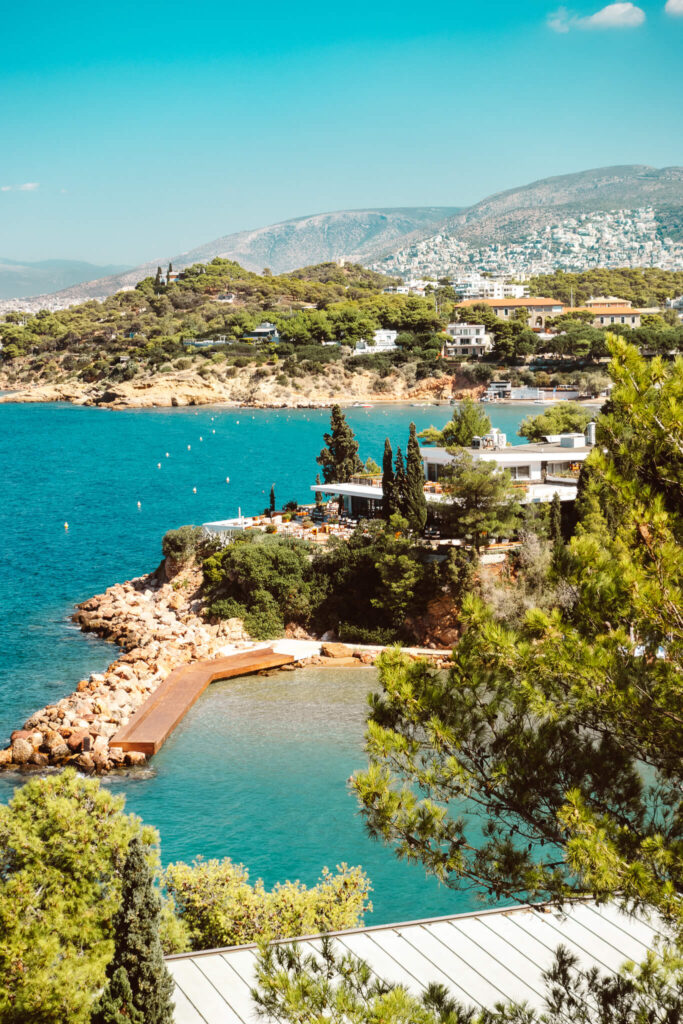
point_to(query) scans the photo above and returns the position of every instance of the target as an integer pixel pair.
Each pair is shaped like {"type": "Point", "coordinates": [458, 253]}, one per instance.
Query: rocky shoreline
{"type": "Point", "coordinates": [157, 622]}
{"type": "Point", "coordinates": [246, 390]}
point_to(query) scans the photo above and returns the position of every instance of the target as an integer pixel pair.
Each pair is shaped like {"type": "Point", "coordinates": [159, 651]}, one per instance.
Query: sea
{"type": "Point", "coordinates": [258, 770]}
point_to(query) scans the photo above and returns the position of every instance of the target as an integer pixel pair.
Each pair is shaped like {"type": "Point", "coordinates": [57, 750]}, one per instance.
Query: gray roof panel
{"type": "Point", "coordinates": [483, 958]}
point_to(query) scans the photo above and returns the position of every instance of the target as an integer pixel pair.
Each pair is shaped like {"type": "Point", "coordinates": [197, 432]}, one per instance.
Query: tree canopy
{"type": "Point", "coordinates": [469, 420]}
{"type": "Point", "coordinates": [563, 733]}
{"type": "Point", "coordinates": [339, 458]}
{"type": "Point", "coordinates": [565, 418]}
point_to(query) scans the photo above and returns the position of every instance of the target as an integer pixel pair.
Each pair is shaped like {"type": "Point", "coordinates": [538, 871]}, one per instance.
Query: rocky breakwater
{"type": "Point", "coordinates": [157, 622]}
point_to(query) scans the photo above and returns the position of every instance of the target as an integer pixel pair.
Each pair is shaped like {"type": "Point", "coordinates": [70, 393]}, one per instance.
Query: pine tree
{"type": "Point", "coordinates": [415, 503]}
{"type": "Point", "coordinates": [399, 491]}
{"type": "Point", "coordinates": [555, 519]}
{"type": "Point", "coordinates": [388, 481]}
{"type": "Point", "coordinates": [137, 946]}
{"type": "Point", "coordinates": [339, 459]}
{"type": "Point", "coordinates": [271, 506]}
{"type": "Point", "coordinates": [115, 1005]}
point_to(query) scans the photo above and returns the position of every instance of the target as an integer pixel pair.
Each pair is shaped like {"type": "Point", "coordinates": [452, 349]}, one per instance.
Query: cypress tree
{"type": "Point", "coordinates": [556, 519]}
{"type": "Point", "coordinates": [318, 494]}
{"type": "Point", "coordinates": [271, 506]}
{"type": "Point", "coordinates": [399, 491]}
{"type": "Point", "coordinates": [415, 503]}
{"type": "Point", "coordinates": [339, 459]}
{"type": "Point", "coordinates": [388, 481]}
{"type": "Point", "coordinates": [137, 946]}
{"type": "Point", "coordinates": [115, 1005]}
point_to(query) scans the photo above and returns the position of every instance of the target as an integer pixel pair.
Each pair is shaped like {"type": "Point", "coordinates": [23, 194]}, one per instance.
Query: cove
{"type": "Point", "coordinates": [90, 468]}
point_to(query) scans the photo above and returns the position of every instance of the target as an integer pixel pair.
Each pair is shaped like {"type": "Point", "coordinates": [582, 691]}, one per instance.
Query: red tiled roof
{"type": "Point", "coordinates": [532, 302]}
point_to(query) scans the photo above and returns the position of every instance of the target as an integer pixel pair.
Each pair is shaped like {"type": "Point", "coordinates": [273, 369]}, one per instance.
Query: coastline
{"type": "Point", "coordinates": [156, 621]}
{"type": "Point", "coordinates": [249, 388]}
{"type": "Point", "coordinates": [432, 392]}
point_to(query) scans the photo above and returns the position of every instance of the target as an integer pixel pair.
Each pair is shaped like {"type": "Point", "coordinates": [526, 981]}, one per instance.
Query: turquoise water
{"type": "Point", "coordinates": [239, 793]}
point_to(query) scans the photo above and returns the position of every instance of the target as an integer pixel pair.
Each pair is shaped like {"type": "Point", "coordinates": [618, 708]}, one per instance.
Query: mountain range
{"type": "Point", "coordinates": [365, 236]}
{"type": "Point", "coordinates": [19, 279]}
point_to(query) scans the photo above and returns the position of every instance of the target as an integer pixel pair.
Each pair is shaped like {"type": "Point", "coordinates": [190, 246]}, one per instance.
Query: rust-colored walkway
{"type": "Point", "coordinates": [155, 720]}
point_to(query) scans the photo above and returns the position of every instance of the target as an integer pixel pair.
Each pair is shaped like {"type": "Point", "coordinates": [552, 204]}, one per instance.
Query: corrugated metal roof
{"type": "Point", "coordinates": [482, 958]}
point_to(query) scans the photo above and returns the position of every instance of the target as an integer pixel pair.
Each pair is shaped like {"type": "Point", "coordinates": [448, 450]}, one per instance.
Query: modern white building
{"type": "Point", "coordinates": [544, 468]}
{"type": "Point", "coordinates": [383, 341]}
{"type": "Point", "coordinates": [466, 340]}
{"type": "Point", "coordinates": [540, 470]}
{"type": "Point", "coordinates": [477, 286]}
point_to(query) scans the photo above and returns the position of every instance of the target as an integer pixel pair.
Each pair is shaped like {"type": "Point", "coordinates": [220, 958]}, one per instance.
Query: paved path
{"type": "Point", "coordinates": [156, 719]}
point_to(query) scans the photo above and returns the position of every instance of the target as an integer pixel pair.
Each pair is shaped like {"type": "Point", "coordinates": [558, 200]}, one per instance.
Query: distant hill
{"type": "Point", "coordinates": [366, 236]}
{"type": "Point", "coordinates": [351, 234]}
{"type": "Point", "coordinates": [32, 278]}
{"type": "Point", "coordinates": [509, 216]}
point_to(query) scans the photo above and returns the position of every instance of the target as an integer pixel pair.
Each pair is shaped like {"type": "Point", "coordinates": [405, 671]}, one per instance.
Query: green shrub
{"type": "Point", "coordinates": [227, 608]}
{"type": "Point", "coordinates": [264, 619]}
{"type": "Point", "coordinates": [271, 528]}
{"type": "Point", "coordinates": [350, 634]}
{"type": "Point", "coordinates": [220, 906]}
{"type": "Point", "coordinates": [183, 364]}
{"type": "Point", "coordinates": [181, 545]}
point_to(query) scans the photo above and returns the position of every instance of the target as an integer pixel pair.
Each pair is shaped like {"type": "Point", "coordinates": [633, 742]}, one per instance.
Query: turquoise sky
{"type": "Point", "coordinates": [136, 130]}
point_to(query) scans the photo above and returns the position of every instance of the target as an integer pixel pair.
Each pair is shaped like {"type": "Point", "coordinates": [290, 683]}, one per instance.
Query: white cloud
{"type": "Point", "coordinates": [28, 186]}
{"type": "Point", "coordinates": [621, 15]}
{"type": "Point", "coordinates": [560, 20]}
{"type": "Point", "coordinates": [674, 7]}
{"type": "Point", "coordinates": [618, 15]}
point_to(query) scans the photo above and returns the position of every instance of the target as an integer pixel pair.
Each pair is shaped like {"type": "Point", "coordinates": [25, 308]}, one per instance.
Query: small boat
{"type": "Point", "coordinates": [362, 405]}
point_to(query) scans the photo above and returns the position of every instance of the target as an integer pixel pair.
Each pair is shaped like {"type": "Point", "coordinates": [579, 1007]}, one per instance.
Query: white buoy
{"type": "Point", "coordinates": [139, 504]}
{"type": "Point", "coordinates": [158, 465]}
{"type": "Point", "coordinates": [194, 490]}
{"type": "Point", "coordinates": [237, 422]}
{"type": "Point", "coordinates": [213, 431]}
{"type": "Point", "coordinates": [166, 454]}
{"type": "Point", "coordinates": [66, 526]}
{"type": "Point", "coordinates": [201, 438]}
{"type": "Point", "coordinates": [227, 479]}
{"type": "Point", "coordinates": [189, 447]}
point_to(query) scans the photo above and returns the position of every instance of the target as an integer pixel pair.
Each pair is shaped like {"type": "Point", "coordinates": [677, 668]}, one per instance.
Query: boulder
{"type": "Point", "coordinates": [39, 759]}
{"type": "Point", "coordinates": [332, 650]}
{"type": "Point", "coordinates": [22, 751]}
{"type": "Point", "coordinates": [135, 758]}
{"type": "Point", "coordinates": [5, 757]}
{"type": "Point", "coordinates": [75, 740]}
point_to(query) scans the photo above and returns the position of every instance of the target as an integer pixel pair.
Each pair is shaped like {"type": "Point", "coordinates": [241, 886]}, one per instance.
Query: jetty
{"type": "Point", "coordinates": [154, 721]}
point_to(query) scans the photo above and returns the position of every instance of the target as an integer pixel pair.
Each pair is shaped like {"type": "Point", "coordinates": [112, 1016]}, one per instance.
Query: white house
{"type": "Point", "coordinates": [541, 470]}
{"type": "Point", "coordinates": [546, 467]}
{"type": "Point", "coordinates": [383, 341]}
{"type": "Point", "coordinates": [466, 340]}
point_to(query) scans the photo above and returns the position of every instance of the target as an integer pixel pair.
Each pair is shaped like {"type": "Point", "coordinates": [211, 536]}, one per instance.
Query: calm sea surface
{"type": "Point", "coordinates": [257, 770]}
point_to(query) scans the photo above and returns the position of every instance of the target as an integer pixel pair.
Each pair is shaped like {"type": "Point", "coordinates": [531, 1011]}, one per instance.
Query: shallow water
{"type": "Point", "coordinates": [90, 467]}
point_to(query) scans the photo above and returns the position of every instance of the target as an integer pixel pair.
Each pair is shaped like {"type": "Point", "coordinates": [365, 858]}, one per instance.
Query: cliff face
{"type": "Point", "coordinates": [249, 387]}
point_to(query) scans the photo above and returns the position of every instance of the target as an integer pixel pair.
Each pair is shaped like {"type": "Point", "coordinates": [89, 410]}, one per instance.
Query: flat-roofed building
{"type": "Point", "coordinates": [540, 470]}
{"type": "Point", "coordinates": [466, 340]}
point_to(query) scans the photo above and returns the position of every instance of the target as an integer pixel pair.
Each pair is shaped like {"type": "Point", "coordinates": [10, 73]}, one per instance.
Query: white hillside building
{"type": "Point", "coordinates": [538, 470]}
{"type": "Point", "coordinates": [466, 340]}
{"type": "Point", "coordinates": [383, 341]}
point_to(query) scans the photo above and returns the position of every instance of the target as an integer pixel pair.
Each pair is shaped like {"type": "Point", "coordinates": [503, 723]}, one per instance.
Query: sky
{"type": "Point", "coordinates": [133, 131]}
